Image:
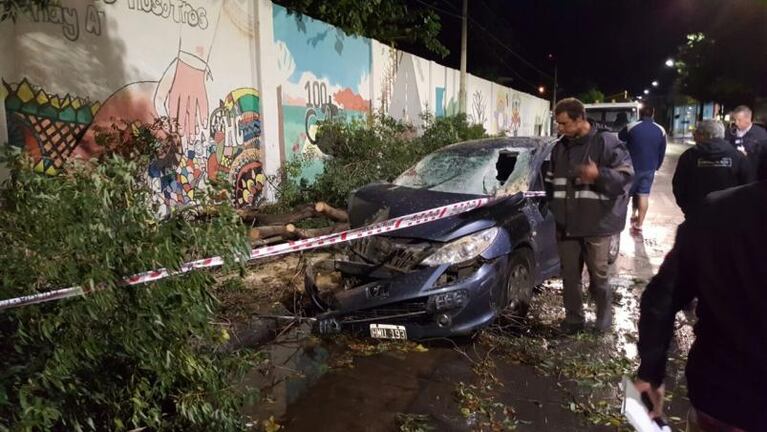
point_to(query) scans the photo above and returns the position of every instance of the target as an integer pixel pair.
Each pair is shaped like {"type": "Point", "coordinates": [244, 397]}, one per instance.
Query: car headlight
{"type": "Point", "coordinates": [463, 249]}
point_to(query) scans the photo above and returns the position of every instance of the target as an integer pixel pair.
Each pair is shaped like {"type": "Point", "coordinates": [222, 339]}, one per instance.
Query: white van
{"type": "Point", "coordinates": [613, 115]}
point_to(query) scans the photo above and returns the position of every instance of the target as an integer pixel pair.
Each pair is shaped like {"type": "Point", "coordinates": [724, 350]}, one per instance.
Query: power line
{"type": "Point", "coordinates": [490, 34]}
{"type": "Point", "coordinates": [514, 53]}
{"type": "Point", "coordinates": [438, 9]}
{"type": "Point", "coordinates": [483, 29]}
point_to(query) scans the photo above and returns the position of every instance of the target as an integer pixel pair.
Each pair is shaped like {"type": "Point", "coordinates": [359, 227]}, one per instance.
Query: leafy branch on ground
{"type": "Point", "coordinates": [120, 358]}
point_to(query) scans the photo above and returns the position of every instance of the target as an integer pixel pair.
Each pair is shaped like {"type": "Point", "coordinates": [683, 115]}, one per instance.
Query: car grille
{"type": "Point", "coordinates": [410, 310]}
{"type": "Point", "coordinates": [400, 254]}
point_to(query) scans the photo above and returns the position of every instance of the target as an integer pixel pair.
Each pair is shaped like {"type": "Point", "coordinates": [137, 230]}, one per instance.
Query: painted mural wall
{"type": "Point", "coordinates": [81, 64]}
{"type": "Point", "coordinates": [321, 73]}
{"type": "Point", "coordinates": [406, 86]}
{"type": "Point", "coordinates": [245, 81]}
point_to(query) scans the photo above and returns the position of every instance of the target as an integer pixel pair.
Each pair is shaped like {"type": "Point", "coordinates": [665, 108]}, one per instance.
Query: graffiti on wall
{"type": "Point", "coordinates": [478, 106]}
{"type": "Point", "coordinates": [507, 113]}
{"type": "Point", "coordinates": [220, 142]}
{"type": "Point", "coordinates": [47, 126]}
{"type": "Point", "coordinates": [69, 19]}
{"type": "Point", "coordinates": [404, 76]}
{"type": "Point", "coordinates": [442, 106]}
{"type": "Point", "coordinates": [52, 128]}
{"type": "Point", "coordinates": [322, 74]}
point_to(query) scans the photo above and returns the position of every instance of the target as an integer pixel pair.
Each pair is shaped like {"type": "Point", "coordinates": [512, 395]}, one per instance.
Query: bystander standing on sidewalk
{"type": "Point", "coordinates": [646, 142]}
{"type": "Point", "coordinates": [711, 165]}
{"type": "Point", "coordinates": [747, 137]}
{"type": "Point", "coordinates": [719, 262]}
{"type": "Point", "coordinates": [587, 184]}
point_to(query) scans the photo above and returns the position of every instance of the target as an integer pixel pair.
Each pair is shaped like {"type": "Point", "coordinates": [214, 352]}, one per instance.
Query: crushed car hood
{"type": "Point", "coordinates": [381, 201]}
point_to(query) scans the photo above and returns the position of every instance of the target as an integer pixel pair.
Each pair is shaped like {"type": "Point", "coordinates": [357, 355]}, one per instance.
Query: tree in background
{"type": "Point", "coordinates": [392, 21]}
{"type": "Point", "coordinates": [722, 70]}
{"type": "Point", "coordinates": [592, 95]}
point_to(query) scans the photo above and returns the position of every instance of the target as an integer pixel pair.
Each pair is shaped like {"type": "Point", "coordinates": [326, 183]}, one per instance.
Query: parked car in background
{"type": "Point", "coordinates": [451, 276]}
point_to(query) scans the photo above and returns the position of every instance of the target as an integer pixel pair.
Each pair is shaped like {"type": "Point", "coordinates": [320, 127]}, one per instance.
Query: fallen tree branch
{"type": "Point", "coordinates": [254, 216]}
{"type": "Point", "coordinates": [262, 232]}
{"type": "Point", "coordinates": [331, 212]}
{"type": "Point", "coordinates": [315, 232]}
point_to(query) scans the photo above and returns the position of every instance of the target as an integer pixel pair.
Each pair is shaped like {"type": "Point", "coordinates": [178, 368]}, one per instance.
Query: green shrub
{"type": "Point", "coordinates": [122, 357]}
{"type": "Point", "coordinates": [379, 150]}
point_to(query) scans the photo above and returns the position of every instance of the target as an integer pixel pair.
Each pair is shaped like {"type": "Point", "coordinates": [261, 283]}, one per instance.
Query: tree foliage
{"type": "Point", "coordinates": [120, 358]}
{"type": "Point", "coordinates": [361, 152]}
{"type": "Point", "coordinates": [725, 71]}
{"type": "Point", "coordinates": [391, 21]}
{"type": "Point", "coordinates": [592, 95]}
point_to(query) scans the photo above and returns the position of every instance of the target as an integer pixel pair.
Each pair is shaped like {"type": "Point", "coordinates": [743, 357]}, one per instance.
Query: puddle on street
{"type": "Point", "coordinates": [294, 362]}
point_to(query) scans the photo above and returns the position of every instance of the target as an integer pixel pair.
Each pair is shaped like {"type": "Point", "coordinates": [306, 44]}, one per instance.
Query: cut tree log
{"type": "Point", "coordinates": [254, 216]}
{"type": "Point", "coordinates": [262, 232]}
{"type": "Point", "coordinates": [314, 232]}
{"type": "Point", "coordinates": [268, 241]}
{"type": "Point", "coordinates": [331, 212]}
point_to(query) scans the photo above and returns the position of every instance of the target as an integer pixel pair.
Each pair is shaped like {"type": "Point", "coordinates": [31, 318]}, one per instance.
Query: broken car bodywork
{"type": "Point", "coordinates": [450, 276]}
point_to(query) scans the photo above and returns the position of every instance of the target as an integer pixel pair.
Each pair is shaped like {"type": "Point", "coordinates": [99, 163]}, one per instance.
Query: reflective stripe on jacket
{"type": "Point", "coordinates": [586, 210]}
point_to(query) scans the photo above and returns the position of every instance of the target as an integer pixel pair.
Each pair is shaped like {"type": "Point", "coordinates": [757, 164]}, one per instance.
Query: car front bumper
{"type": "Point", "coordinates": [422, 301]}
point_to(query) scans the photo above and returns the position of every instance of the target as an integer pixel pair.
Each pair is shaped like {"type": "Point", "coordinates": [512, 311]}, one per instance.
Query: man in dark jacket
{"type": "Point", "coordinates": [721, 264]}
{"type": "Point", "coordinates": [587, 183]}
{"type": "Point", "coordinates": [712, 165]}
{"type": "Point", "coordinates": [746, 136]}
{"type": "Point", "coordinates": [646, 142]}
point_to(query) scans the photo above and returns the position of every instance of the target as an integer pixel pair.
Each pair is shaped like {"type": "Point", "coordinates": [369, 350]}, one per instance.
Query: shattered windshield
{"type": "Point", "coordinates": [469, 171]}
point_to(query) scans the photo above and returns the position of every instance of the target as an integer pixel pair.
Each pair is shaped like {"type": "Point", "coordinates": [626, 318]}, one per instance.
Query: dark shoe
{"type": "Point", "coordinates": [571, 328]}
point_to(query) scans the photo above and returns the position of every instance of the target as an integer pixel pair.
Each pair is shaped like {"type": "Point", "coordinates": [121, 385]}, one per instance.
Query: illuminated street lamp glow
{"type": "Point", "coordinates": [646, 91]}
{"type": "Point", "coordinates": [655, 83]}
{"type": "Point", "coordinates": [541, 89]}
{"type": "Point", "coordinates": [670, 62]}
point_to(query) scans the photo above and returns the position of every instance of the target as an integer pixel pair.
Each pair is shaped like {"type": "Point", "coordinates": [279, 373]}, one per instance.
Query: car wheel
{"type": "Point", "coordinates": [519, 285]}
{"type": "Point", "coordinates": [614, 249]}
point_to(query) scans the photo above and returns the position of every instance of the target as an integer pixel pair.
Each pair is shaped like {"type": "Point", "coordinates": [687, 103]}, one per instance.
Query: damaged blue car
{"type": "Point", "coordinates": [451, 276]}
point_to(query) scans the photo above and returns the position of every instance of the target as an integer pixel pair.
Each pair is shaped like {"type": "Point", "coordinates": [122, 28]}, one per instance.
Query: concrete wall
{"type": "Point", "coordinates": [246, 80]}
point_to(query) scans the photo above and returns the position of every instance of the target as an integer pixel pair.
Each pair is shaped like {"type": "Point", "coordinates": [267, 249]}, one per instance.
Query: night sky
{"type": "Point", "coordinates": [614, 45]}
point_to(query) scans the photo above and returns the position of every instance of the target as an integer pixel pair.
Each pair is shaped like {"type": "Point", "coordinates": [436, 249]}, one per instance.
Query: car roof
{"type": "Point", "coordinates": [495, 143]}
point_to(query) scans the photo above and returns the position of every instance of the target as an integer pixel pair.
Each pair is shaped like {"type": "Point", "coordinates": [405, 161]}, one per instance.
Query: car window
{"type": "Point", "coordinates": [518, 180]}
{"type": "Point", "coordinates": [478, 172]}
{"type": "Point", "coordinates": [450, 170]}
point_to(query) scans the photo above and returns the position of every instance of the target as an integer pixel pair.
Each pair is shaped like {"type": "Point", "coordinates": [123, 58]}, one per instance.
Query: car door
{"type": "Point", "coordinates": [542, 221]}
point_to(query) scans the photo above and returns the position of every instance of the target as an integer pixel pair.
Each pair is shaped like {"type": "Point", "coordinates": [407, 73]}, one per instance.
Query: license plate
{"type": "Point", "coordinates": [388, 331]}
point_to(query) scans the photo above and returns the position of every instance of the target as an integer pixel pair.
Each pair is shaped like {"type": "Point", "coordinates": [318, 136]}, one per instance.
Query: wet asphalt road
{"type": "Point", "coordinates": [304, 393]}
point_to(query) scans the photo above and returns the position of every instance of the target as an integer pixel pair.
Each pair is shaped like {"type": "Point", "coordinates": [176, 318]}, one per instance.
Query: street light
{"type": "Point", "coordinates": [646, 91]}
{"type": "Point", "coordinates": [670, 62]}
{"type": "Point", "coordinates": [541, 89]}
{"type": "Point", "coordinates": [655, 83]}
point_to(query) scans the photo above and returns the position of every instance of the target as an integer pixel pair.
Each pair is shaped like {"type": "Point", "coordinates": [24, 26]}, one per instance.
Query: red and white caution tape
{"type": "Point", "coordinates": [389, 225]}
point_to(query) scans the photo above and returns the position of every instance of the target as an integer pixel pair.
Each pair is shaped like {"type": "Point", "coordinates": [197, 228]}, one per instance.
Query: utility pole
{"type": "Point", "coordinates": [464, 34]}
{"type": "Point", "coordinates": [554, 93]}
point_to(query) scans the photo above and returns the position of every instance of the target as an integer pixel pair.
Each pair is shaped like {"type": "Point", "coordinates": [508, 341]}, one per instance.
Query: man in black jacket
{"type": "Point", "coordinates": [712, 165]}
{"type": "Point", "coordinates": [746, 136]}
{"type": "Point", "coordinates": [720, 263]}
{"type": "Point", "coordinates": [587, 184]}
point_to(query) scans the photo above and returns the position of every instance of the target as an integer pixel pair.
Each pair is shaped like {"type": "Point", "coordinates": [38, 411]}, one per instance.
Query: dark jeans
{"type": "Point", "coordinates": [573, 253]}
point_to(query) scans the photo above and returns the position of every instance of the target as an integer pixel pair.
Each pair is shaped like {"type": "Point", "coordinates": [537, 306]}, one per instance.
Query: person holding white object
{"type": "Point", "coordinates": [720, 261]}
